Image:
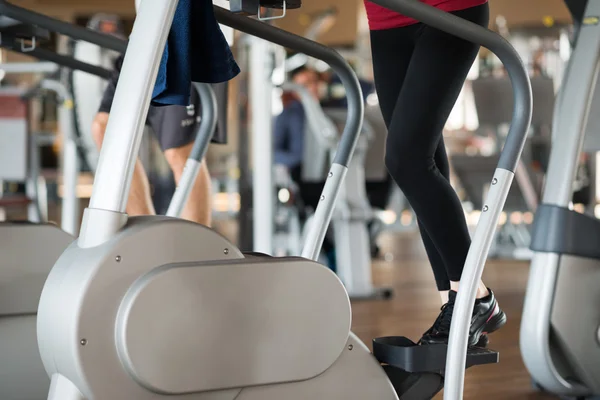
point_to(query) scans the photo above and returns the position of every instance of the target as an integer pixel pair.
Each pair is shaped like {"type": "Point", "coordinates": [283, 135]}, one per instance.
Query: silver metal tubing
{"type": "Point", "coordinates": [208, 123]}
{"type": "Point", "coordinates": [263, 189]}
{"type": "Point", "coordinates": [29, 68]}
{"type": "Point", "coordinates": [70, 157]}
{"type": "Point", "coordinates": [130, 108]}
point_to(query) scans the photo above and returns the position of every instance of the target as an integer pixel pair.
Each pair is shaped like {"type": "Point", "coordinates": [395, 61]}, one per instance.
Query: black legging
{"type": "Point", "coordinates": [419, 73]}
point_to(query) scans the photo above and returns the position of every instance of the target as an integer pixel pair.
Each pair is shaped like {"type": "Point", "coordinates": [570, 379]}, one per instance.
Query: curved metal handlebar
{"type": "Point", "coordinates": [68, 62]}
{"type": "Point", "coordinates": [338, 64]}
{"type": "Point", "coordinates": [352, 129]}
{"type": "Point", "coordinates": [208, 123]}
{"type": "Point", "coordinates": [76, 32]}
{"type": "Point", "coordinates": [30, 17]}
{"type": "Point", "coordinates": [205, 133]}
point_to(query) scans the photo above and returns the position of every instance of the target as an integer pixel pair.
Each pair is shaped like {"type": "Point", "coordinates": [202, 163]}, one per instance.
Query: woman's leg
{"type": "Point", "coordinates": [441, 161]}
{"type": "Point", "coordinates": [434, 79]}
{"type": "Point", "coordinates": [438, 67]}
{"type": "Point", "coordinates": [439, 267]}
{"type": "Point", "coordinates": [390, 69]}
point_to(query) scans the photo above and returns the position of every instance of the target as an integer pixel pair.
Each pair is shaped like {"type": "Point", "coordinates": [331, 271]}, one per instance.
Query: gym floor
{"type": "Point", "coordinates": [416, 304]}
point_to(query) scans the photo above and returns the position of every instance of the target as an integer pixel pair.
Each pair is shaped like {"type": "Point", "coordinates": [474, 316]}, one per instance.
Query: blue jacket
{"type": "Point", "coordinates": [288, 139]}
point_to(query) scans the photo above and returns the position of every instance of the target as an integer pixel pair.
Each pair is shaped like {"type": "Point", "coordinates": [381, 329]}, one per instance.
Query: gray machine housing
{"type": "Point", "coordinates": [23, 272]}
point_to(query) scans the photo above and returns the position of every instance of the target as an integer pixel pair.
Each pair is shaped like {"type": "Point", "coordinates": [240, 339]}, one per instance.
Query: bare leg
{"type": "Point", "coordinates": [482, 290]}
{"type": "Point", "coordinates": [140, 200]}
{"type": "Point", "coordinates": [198, 207]}
{"type": "Point", "coordinates": [444, 296]}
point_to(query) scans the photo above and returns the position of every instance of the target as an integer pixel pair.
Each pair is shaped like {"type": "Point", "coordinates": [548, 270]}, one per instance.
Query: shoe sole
{"type": "Point", "coordinates": [483, 341]}
{"type": "Point", "coordinates": [492, 325]}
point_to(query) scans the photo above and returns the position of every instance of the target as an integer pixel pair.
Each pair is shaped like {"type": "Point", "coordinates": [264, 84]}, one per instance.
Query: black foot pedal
{"type": "Point", "coordinates": [417, 372]}
{"type": "Point", "coordinates": [402, 352]}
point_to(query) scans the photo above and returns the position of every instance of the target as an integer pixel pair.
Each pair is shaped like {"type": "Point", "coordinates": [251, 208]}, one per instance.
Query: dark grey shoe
{"type": "Point", "coordinates": [487, 318]}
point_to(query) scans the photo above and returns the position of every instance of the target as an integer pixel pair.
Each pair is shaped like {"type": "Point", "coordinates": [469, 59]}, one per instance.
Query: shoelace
{"type": "Point", "coordinates": [442, 324]}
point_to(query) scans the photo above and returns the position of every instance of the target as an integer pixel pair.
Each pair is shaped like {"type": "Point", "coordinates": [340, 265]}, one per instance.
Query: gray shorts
{"type": "Point", "coordinates": [176, 126]}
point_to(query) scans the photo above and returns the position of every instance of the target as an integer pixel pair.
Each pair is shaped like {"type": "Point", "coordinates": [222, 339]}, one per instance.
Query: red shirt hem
{"type": "Point", "coordinates": [381, 18]}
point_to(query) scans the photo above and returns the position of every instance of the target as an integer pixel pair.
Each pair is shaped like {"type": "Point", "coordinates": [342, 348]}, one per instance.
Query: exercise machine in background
{"type": "Point", "coordinates": [353, 212]}
{"type": "Point", "coordinates": [87, 89]}
{"type": "Point", "coordinates": [560, 336]}
{"type": "Point", "coordinates": [30, 249]}
{"type": "Point", "coordinates": [21, 148]}
{"type": "Point", "coordinates": [494, 103]}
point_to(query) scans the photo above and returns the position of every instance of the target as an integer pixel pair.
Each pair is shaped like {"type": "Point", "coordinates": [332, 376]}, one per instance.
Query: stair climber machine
{"type": "Point", "coordinates": [87, 89]}
{"type": "Point", "coordinates": [560, 336]}
{"type": "Point", "coordinates": [320, 134]}
{"type": "Point", "coordinates": [157, 308]}
{"type": "Point", "coordinates": [30, 250]}
{"type": "Point", "coordinates": [20, 158]}
{"type": "Point", "coordinates": [352, 209]}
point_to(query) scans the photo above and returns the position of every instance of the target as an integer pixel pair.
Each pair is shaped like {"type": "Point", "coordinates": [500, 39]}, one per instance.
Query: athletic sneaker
{"type": "Point", "coordinates": [487, 318]}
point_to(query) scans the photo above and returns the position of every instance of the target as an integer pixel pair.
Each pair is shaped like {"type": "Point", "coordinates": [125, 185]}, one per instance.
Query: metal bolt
{"type": "Point", "coordinates": [322, 198]}
{"type": "Point", "coordinates": [226, 251]}
{"type": "Point", "coordinates": [485, 208]}
{"type": "Point", "coordinates": [118, 258]}
{"type": "Point", "coordinates": [494, 181]}
{"type": "Point", "coordinates": [350, 347]}
{"type": "Point", "coordinates": [330, 174]}
{"type": "Point", "coordinates": [83, 342]}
